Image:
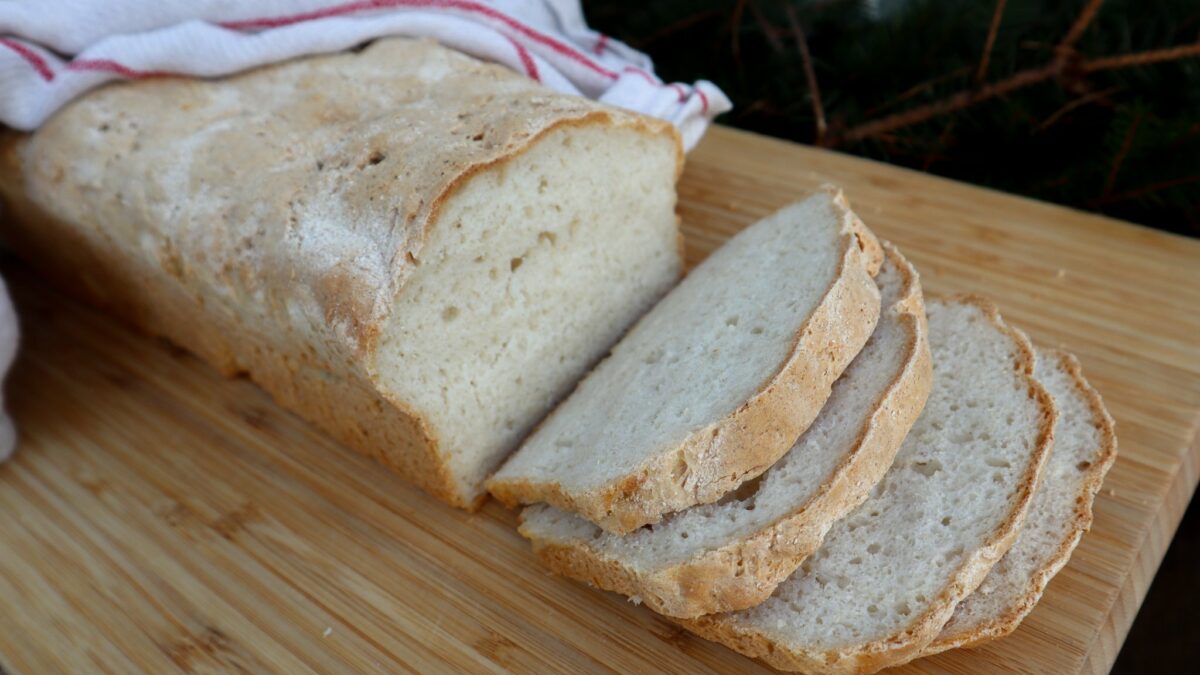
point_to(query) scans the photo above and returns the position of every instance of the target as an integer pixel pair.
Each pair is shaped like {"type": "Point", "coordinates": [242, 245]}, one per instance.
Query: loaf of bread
{"type": "Point", "coordinates": [716, 382]}
{"type": "Point", "coordinates": [730, 555]}
{"type": "Point", "coordinates": [419, 252]}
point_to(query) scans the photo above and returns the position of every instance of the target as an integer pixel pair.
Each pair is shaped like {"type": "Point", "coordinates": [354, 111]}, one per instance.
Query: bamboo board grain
{"type": "Point", "coordinates": [158, 517]}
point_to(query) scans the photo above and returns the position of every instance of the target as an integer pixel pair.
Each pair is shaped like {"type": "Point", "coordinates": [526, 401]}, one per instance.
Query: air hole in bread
{"type": "Point", "coordinates": [757, 330]}
{"type": "Point", "coordinates": [1083, 466]}
{"type": "Point", "coordinates": [927, 467]}
{"type": "Point", "coordinates": [515, 263]}
{"type": "Point", "coordinates": [873, 549]}
{"type": "Point", "coordinates": [731, 321]}
{"type": "Point", "coordinates": [946, 521]}
{"type": "Point", "coordinates": [547, 238]}
{"type": "Point", "coordinates": [450, 313]}
{"type": "Point", "coordinates": [997, 462]}
{"type": "Point", "coordinates": [746, 491]}
{"type": "Point", "coordinates": [376, 157]}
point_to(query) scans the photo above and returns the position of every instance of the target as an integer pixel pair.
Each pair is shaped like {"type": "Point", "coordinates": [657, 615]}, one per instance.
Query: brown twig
{"type": "Point", "coordinates": [1081, 24]}
{"type": "Point", "coordinates": [766, 27]}
{"type": "Point", "coordinates": [1072, 105]}
{"type": "Point", "coordinates": [1147, 189]}
{"type": "Point", "coordinates": [810, 75]}
{"type": "Point", "coordinates": [991, 40]}
{"type": "Point", "coordinates": [917, 89]}
{"type": "Point", "coordinates": [952, 103]}
{"type": "Point", "coordinates": [735, 25]}
{"type": "Point", "coordinates": [1119, 159]}
{"type": "Point", "coordinates": [1140, 58]}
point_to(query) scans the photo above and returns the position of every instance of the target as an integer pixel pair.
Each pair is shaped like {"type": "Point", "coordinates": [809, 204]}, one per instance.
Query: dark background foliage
{"type": "Point", "coordinates": [1105, 136]}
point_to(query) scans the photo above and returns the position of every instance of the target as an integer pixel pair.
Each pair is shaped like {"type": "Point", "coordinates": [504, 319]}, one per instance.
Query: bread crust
{"type": "Point", "coordinates": [242, 291]}
{"type": "Point", "coordinates": [1081, 521]}
{"type": "Point", "coordinates": [724, 454]}
{"type": "Point", "coordinates": [907, 644]}
{"type": "Point", "coordinates": [743, 573]}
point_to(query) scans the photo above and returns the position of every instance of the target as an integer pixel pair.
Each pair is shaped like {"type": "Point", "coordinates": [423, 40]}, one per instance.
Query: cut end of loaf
{"type": "Point", "coordinates": [531, 271]}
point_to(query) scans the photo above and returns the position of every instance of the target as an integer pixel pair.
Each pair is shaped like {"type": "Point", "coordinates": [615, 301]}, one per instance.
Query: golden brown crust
{"type": "Point", "coordinates": [923, 629]}
{"type": "Point", "coordinates": [138, 196]}
{"type": "Point", "coordinates": [743, 573]}
{"type": "Point", "coordinates": [1081, 521]}
{"type": "Point", "coordinates": [739, 447]}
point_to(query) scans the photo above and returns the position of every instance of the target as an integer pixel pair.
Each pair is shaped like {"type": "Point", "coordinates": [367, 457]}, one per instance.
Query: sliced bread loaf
{"type": "Point", "coordinates": [716, 382]}
{"type": "Point", "coordinates": [1085, 446]}
{"type": "Point", "coordinates": [731, 554]}
{"type": "Point", "coordinates": [418, 251]}
{"type": "Point", "coordinates": [888, 576]}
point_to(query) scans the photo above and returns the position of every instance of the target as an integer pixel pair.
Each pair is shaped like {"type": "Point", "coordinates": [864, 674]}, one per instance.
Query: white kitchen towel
{"type": "Point", "coordinates": [54, 50]}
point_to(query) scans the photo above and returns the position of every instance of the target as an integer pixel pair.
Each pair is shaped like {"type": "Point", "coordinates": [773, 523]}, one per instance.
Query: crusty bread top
{"type": "Point", "coordinates": [1085, 446]}
{"type": "Point", "coordinates": [311, 183]}
{"type": "Point", "coordinates": [731, 554]}
{"type": "Point", "coordinates": [889, 575]}
{"type": "Point", "coordinates": [717, 381]}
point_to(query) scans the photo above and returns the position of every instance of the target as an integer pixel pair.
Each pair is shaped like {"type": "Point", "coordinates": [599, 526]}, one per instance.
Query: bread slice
{"type": "Point", "coordinates": [1085, 446]}
{"type": "Point", "coordinates": [731, 554]}
{"type": "Point", "coordinates": [418, 251]}
{"type": "Point", "coordinates": [888, 576]}
{"type": "Point", "coordinates": [717, 381]}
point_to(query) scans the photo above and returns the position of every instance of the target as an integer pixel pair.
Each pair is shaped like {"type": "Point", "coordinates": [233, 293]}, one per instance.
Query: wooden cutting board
{"type": "Point", "coordinates": [158, 517]}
